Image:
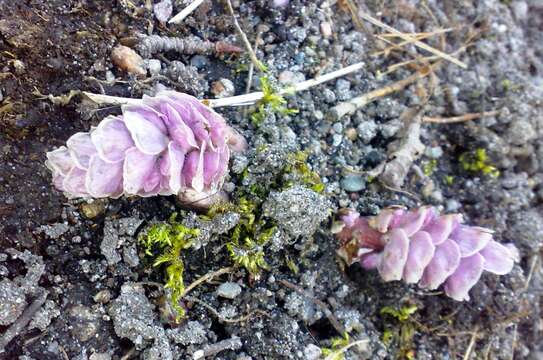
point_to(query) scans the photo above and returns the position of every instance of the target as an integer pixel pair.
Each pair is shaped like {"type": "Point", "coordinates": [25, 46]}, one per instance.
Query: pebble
{"type": "Point", "coordinates": [367, 130]}
{"type": "Point", "coordinates": [312, 352]}
{"type": "Point", "coordinates": [351, 134]}
{"type": "Point", "coordinates": [521, 132]}
{"type": "Point", "coordinates": [229, 290]}
{"type": "Point", "coordinates": [163, 10]}
{"type": "Point", "coordinates": [200, 62]}
{"type": "Point", "coordinates": [329, 96]}
{"type": "Point", "coordinates": [336, 140]}
{"type": "Point", "coordinates": [127, 59]}
{"type": "Point", "coordinates": [154, 67]}
{"type": "Point", "coordinates": [326, 29]}
{"type": "Point", "coordinates": [102, 296]}
{"type": "Point", "coordinates": [452, 205]}
{"type": "Point", "coordinates": [338, 128]}
{"type": "Point", "coordinates": [223, 88]}
{"type": "Point", "coordinates": [434, 152]}
{"type": "Point", "coordinates": [353, 183]}
{"type": "Point", "coordinates": [93, 209]}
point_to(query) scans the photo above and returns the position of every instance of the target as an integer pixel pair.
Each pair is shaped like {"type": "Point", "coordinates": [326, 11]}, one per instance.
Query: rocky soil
{"type": "Point", "coordinates": [74, 281]}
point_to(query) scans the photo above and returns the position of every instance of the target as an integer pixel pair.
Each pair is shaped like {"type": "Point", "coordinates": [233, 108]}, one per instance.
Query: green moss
{"type": "Point", "coordinates": [297, 165]}
{"type": "Point", "coordinates": [272, 101]}
{"type": "Point", "coordinates": [165, 242]}
{"type": "Point", "coordinates": [336, 344]}
{"type": "Point", "coordinates": [429, 167]}
{"type": "Point", "coordinates": [401, 330]}
{"type": "Point", "coordinates": [478, 162]}
{"type": "Point", "coordinates": [449, 180]}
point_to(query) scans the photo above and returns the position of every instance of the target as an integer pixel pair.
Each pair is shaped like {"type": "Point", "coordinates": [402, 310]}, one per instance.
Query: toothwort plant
{"type": "Point", "coordinates": [168, 144]}
{"type": "Point", "coordinates": [420, 246]}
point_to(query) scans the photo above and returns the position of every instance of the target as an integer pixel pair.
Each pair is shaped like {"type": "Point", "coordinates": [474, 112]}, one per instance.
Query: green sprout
{"type": "Point", "coordinates": [477, 162]}
{"type": "Point", "coordinates": [337, 343]}
{"type": "Point", "coordinates": [165, 241]}
{"type": "Point", "coordinates": [404, 332]}
{"type": "Point", "coordinates": [272, 101]}
{"type": "Point", "coordinates": [297, 165]}
{"type": "Point", "coordinates": [429, 167]}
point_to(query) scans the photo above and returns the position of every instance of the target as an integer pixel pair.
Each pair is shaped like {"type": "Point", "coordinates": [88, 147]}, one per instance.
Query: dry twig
{"type": "Point", "coordinates": [244, 38]}
{"type": "Point", "coordinates": [221, 318]}
{"type": "Point", "coordinates": [185, 12]}
{"type": "Point", "coordinates": [415, 42]}
{"type": "Point", "coordinates": [205, 278]}
{"type": "Point", "coordinates": [458, 119]}
{"type": "Point", "coordinates": [471, 344]}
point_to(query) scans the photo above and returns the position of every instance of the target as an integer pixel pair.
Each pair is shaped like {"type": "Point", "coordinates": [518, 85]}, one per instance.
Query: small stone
{"type": "Point", "coordinates": [312, 352]}
{"type": "Point", "coordinates": [353, 183]}
{"type": "Point", "coordinates": [521, 132]}
{"type": "Point", "coordinates": [434, 152]}
{"type": "Point", "coordinates": [102, 296]}
{"type": "Point", "coordinates": [93, 209]}
{"type": "Point", "coordinates": [12, 302]}
{"type": "Point", "coordinates": [367, 130]}
{"type": "Point", "coordinates": [351, 134]}
{"type": "Point", "coordinates": [326, 29]}
{"type": "Point", "coordinates": [154, 67]}
{"type": "Point", "coordinates": [100, 356]}
{"type": "Point", "coordinates": [336, 139]}
{"type": "Point", "coordinates": [130, 255]}
{"type": "Point", "coordinates": [286, 77]}
{"type": "Point", "coordinates": [163, 10]}
{"type": "Point", "coordinates": [85, 323]}
{"type": "Point", "coordinates": [200, 62]}
{"type": "Point", "coordinates": [338, 128]}
{"type": "Point", "coordinates": [452, 205]}
{"type": "Point", "coordinates": [128, 60]}
{"type": "Point", "coordinates": [18, 66]}
{"type": "Point", "coordinates": [329, 96]}
{"type": "Point", "coordinates": [223, 88]}
{"type": "Point", "coordinates": [229, 290]}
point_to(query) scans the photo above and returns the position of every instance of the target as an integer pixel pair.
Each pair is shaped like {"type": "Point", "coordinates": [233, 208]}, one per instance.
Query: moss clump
{"type": "Point", "coordinates": [298, 167]}
{"type": "Point", "coordinates": [336, 344]}
{"type": "Point", "coordinates": [478, 162]}
{"type": "Point", "coordinates": [272, 101]}
{"type": "Point", "coordinates": [401, 330]}
{"type": "Point", "coordinates": [164, 242]}
{"type": "Point", "coordinates": [429, 167]}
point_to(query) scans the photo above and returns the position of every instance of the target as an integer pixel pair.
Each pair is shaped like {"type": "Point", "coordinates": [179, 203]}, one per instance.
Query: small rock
{"type": "Point", "coordinates": [367, 130]}
{"type": "Point", "coordinates": [351, 134]}
{"type": "Point", "coordinates": [84, 322]}
{"type": "Point", "coordinates": [154, 66]}
{"type": "Point", "coordinates": [312, 352]}
{"type": "Point", "coordinates": [44, 316]}
{"type": "Point", "coordinates": [353, 183]}
{"type": "Point", "coordinates": [521, 132]}
{"type": "Point", "coordinates": [336, 139]}
{"type": "Point", "coordinates": [12, 302]}
{"type": "Point", "coordinates": [338, 128]}
{"type": "Point", "coordinates": [128, 60]}
{"type": "Point", "coordinates": [223, 88]}
{"type": "Point", "coordinates": [229, 290]}
{"type": "Point", "coordinates": [54, 231]}
{"type": "Point", "coordinates": [452, 205]}
{"type": "Point", "coordinates": [192, 332]}
{"type": "Point", "coordinates": [130, 255]}
{"type": "Point", "coordinates": [100, 356]}
{"type": "Point", "coordinates": [434, 152]}
{"type": "Point", "coordinates": [163, 10]}
{"type": "Point", "coordinates": [93, 209]}
{"type": "Point", "coordinates": [329, 96]}
{"type": "Point", "coordinates": [326, 29]}
{"type": "Point", "coordinates": [102, 296]}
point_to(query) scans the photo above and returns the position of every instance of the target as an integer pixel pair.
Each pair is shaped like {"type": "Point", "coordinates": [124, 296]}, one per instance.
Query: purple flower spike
{"type": "Point", "coordinates": [170, 144]}
{"type": "Point", "coordinates": [421, 246]}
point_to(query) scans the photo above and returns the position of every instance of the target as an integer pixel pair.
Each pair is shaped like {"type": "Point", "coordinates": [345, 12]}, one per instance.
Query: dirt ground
{"type": "Point", "coordinates": [80, 264]}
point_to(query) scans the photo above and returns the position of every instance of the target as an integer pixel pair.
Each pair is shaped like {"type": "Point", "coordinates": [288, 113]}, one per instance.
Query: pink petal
{"type": "Point", "coordinates": [59, 161]}
{"type": "Point", "coordinates": [179, 131]}
{"type": "Point", "coordinates": [414, 220]}
{"type": "Point", "coordinates": [176, 158]}
{"type": "Point", "coordinates": [387, 218]}
{"type": "Point", "coordinates": [236, 142]}
{"type": "Point", "coordinates": [444, 263]}
{"type": "Point", "coordinates": [471, 239]}
{"type": "Point", "coordinates": [465, 277]}
{"type": "Point", "coordinates": [421, 251]}
{"type": "Point", "coordinates": [74, 183]}
{"type": "Point", "coordinates": [111, 139]}
{"type": "Point", "coordinates": [441, 227]}
{"type": "Point", "coordinates": [144, 125]}
{"type": "Point", "coordinates": [138, 169]}
{"type": "Point", "coordinates": [350, 218]}
{"type": "Point", "coordinates": [211, 166]}
{"type": "Point", "coordinates": [104, 179]}
{"type": "Point", "coordinates": [58, 182]}
{"type": "Point", "coordinates": [193, 169]}
{"type": "Point", "coordinates": [371, 260]}
{"type": "Point", "coordinates": [498, 258]}
{"type": "Point", "coordinates": [394, 255]}
{"type": "Point", "coordinates": [81, 149]}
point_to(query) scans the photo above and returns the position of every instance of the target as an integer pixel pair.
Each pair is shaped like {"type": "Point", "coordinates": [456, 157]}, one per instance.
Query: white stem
{"type": "Point", "coordinates": [239, 100]}
{"type": "Point", "coordinates": [185, 12]}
